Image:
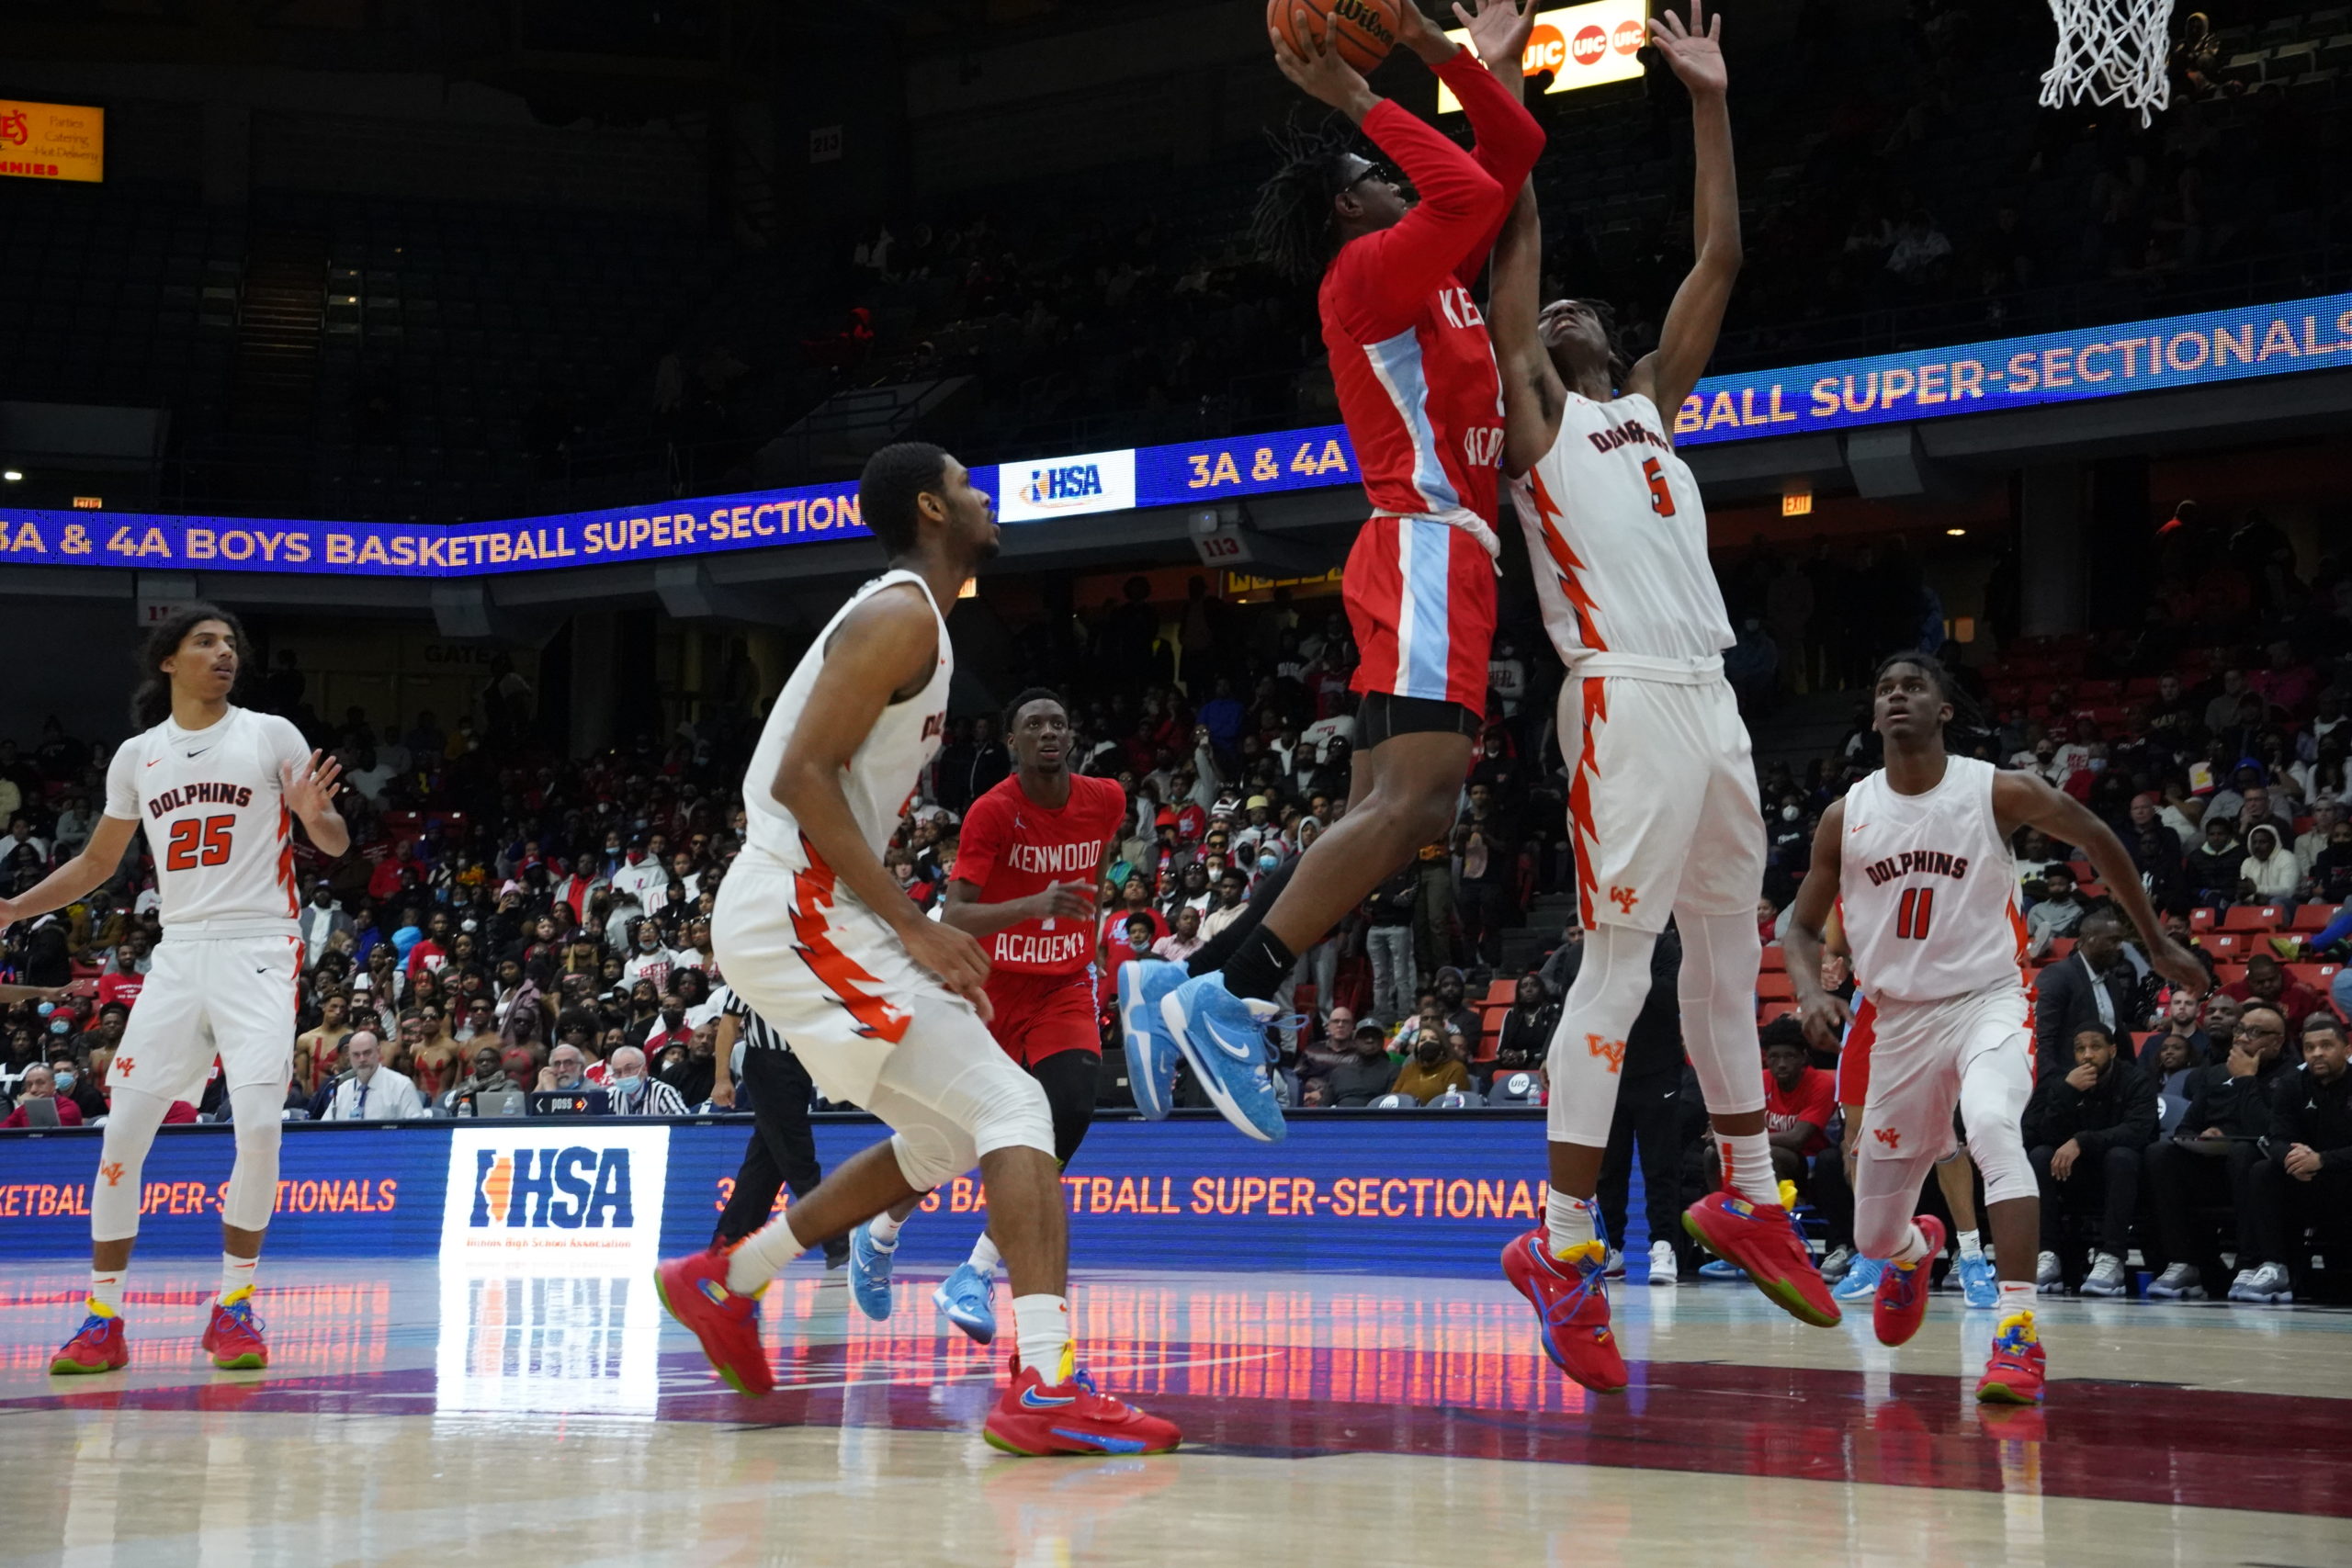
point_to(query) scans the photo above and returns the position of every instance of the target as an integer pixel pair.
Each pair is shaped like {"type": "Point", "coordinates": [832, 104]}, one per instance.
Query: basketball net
{"type": "Point", "coordinates": [2111, 51]}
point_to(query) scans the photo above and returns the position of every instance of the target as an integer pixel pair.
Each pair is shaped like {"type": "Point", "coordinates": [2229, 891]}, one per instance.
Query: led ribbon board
{"type": "Point", "coordinates": [2032, 371]}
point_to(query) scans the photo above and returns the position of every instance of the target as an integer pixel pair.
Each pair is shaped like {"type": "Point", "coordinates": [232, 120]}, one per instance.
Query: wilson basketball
{"type": "Point", "coordinates": [1363, 31]}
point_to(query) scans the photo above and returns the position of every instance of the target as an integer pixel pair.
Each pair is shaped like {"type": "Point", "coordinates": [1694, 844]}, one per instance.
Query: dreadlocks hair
{"type": "Point", "coordinates": [150, 701]}
{"type": "Point", "coordinates": [1621, 366]}
{"type": "Point", "coordinates": [1033, 695]}
{"type": "Point", "coordinates": [1291, 228]}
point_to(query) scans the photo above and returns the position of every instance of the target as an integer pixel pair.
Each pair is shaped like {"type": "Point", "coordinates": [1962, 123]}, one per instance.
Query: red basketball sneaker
{"type": "Point", "coordinates": [233, 1337]}
{"type": "Point", "coordinates": [694, 1291]}
{"type": "Point", "coordinates": [98, 1345]}
{"type": "Point", "coordinates": [2016, 1368]}
{"type": "Point", "coordinates": [1764, 1243]}
{"type": "Point", "coordinates": [1571, 1300]}
{"type": "Point", "coordinates": [1901, 1303]}
{"type": "Point", "coordinates": [1036, 1418]}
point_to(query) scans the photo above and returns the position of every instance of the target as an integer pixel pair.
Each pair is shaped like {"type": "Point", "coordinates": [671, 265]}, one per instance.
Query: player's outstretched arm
{"type": "Point", "coordinates": [2022, 799]}
{"type": "Point", "coordinates": [1696, 317]}
{"type": "Point", "coordinates": [1531, 392]}
{"type": "Point", "coordinates": [1498, 31]}
{"type": "Point", "coordinates": [98, 860]}
{"type": "Point", "coordinates": [1825, 1016]}
{"type": "Point", "coordinates": [887, 644]}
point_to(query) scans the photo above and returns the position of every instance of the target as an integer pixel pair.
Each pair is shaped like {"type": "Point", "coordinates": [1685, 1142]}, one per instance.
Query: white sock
{"type": "Point", "coordinates": [236, 1275]}
{"type": "Point", "coordinates": [1041, 1334]}
{"type": "Point", "coordinates": [105, 1291]}
{"type": "Point", "coordinates": [1747, 1167]}
{"type": "Point", "coordinates": [1568, 1222]}
{"type": "Point", "coordinates": [985, 1257]}
{"type": "Point", "coordinates": [883, 1232]}
{"type": "Point", "coordinates": [2016, 1296]}
{"type": "Point", "coordinates": [760, 1256]}
{"type": "Point", "coordinates": [1970, 1246]}
{"type": "Point", "coordinates": [1913, 1248]}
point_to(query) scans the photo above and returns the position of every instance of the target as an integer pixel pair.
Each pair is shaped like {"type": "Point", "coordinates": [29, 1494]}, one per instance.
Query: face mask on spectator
{"type": "Point", "coordinates": [626, 1085]}
{"type": "Point", "coordinates": [60, 1026]}
{"type": "Point", "coordinates": [1788, 814]}
{"type": "Point", "coordinates": [1268, 861]}
{"type": "Point", "coordinates": [64, 1083]}
{"type": "Point", "coordinates": [46, 1008]}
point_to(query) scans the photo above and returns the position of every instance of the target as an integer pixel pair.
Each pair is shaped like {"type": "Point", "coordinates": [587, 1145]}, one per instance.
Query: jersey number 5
{"type": "Point", "coordinates": [1915, 914]}
{"type": "Point", "coordinates": [199, 841]}
{"type": "Point", "coordinates": [1661, 498]}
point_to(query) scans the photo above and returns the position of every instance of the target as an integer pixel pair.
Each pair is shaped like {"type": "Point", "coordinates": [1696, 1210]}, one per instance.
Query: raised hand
{"type": "Point", "coordinates": [310, 788]}
{"type": "Point", "coordinates": [1693, 53]}
{"type": "Point", "coordinates": [1321, 74]}
{"type": "Point", "coordinates": [1498, 31]}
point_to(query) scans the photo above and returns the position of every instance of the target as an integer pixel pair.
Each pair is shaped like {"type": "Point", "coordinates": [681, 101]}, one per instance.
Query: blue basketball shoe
{"type": "Point", "coordinates": [1977, 1286]}
{"type": "Point", "coordinates": [967, 1298]}
{"type": "Point", "coordinates": [869, 1273]}
{"type": "Point", "coordinates": [1223, 1038]}
{"type": "Point", "coordinates": [1861, 1283]}
{"type": "Point", "coordinates": [1144, 984]}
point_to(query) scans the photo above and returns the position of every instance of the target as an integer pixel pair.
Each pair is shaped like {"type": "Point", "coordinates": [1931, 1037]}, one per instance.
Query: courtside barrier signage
{"type": "Point", "coordinates": [507, 1204]}
{"type": "Point", "coordinates": [560, 1191]}
{"type": "Point", "coordinates": [1987, 377]}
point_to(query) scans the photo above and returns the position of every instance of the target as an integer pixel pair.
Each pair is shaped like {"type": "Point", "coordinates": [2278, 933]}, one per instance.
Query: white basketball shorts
{"type": "Point", "coordinates": [1662, 796]}
{"type": "Point", "coordinates": [231, 997]}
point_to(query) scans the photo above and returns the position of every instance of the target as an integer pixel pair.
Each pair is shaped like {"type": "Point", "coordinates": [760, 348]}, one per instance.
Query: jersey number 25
{"type": "Point", "coordinates": [199, 841]}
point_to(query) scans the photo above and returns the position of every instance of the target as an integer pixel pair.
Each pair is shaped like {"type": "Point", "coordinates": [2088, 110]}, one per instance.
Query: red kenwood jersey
{"type": "Point", "coordinates": [1410, 359]}
{"type": "Point", "coordinates": [1012, 847]}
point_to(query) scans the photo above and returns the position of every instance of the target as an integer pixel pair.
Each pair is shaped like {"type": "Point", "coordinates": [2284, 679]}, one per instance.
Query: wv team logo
{"type": "Point", "coordinates": [1065, 486]}
{"type": "Point", "coordinates": [570, 1189]}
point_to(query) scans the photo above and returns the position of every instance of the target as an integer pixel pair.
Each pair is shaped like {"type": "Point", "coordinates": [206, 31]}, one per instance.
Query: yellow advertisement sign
{"type": "Point", "coordinates": [52, 142]}
{"type": "Point", "coordinates": [1582, 46]}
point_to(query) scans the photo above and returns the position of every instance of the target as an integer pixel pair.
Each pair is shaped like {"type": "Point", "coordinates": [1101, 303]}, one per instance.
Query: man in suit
{"type": "Point", "coordinates": [2091, 988]}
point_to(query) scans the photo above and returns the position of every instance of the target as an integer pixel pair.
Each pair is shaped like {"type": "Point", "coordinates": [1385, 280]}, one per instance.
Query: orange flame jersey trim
{"type": "Point", "coordinates": [285, 859]}
{"type": "Point", "coordinates": [1594, 693]}
{"type": "Point", "coordinates": [1569, 568]}
{"type": "Point", "coordinates": [813, 897]}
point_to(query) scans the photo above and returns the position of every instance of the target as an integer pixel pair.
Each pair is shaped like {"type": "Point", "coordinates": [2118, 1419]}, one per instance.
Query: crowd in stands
{"type": "Point", "coordinates": [511, 920]}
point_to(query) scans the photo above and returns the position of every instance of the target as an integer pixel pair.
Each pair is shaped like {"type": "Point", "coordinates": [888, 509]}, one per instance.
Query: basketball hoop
{"type": "Point", "coordinates": [2111, 51]}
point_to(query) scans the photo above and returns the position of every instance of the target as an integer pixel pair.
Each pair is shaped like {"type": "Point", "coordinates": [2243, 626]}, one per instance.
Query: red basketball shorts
{"type": "Point", "coordinates": [1420, 599]}
{"type": "Point", "coordinates": [1854, 1058]}
{"type": "Point", "coordinates": [1039, 1016]}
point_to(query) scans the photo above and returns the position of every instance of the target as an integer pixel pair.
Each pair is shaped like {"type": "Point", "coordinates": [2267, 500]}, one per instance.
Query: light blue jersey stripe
{"type": "Point", "coordinates": [1397, 361]}
{"type": "Point", "coordinates": [1424, 624]}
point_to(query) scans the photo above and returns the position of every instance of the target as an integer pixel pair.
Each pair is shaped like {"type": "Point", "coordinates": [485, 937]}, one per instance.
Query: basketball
{"type": "Point", "coordinates": [1363, 30]}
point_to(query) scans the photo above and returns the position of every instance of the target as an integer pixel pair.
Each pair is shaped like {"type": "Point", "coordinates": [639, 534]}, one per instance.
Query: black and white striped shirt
{"type": "Point", "coordinates": [751, 1029]}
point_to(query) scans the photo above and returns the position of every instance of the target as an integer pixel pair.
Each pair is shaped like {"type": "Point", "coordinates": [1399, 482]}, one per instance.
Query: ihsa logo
{"type": "Point", "coordinates": [1064, 486]}
{"type": "Point", "coordinates": [568, 1189]}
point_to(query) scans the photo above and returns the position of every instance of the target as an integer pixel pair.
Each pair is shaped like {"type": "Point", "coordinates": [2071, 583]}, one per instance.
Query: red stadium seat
{"type": "Point", "coordinates": [2061, 949]}
{"type": "Point", "coordinates": [2099, 691]}
{"type": "Point", "coordinates": [2313, 917]}
{"type": "Point", "coordinates": [2229, 973]}
{"type": "Point", "coordinates": [1774, 985]}
{"type": "Point", "coordinates": [2254, 917]}
{"type": "Point", "coordinates": [2091, 889]}
{"type": "Point", "coordinates": [2228, 947]}
{"type": "Point", "coordinates": [1503, 991]}
{"type": "Point", "coordinates": [2142, 686]}
{"type": "Point", "coordinates": [1776, 956]}
{"type": "Point", "coordinates": [2315, 975]}
{"type": "Point", "coordinates": [2202, 921]}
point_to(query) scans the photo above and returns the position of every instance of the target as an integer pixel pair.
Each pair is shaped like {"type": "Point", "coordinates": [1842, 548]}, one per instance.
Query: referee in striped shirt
{"type": "Point", "coordinates": [783, 1152]}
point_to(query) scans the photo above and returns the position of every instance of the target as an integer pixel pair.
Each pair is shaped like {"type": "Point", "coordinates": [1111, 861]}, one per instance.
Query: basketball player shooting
{"type": "Point", "coordinates": [1030, 857]}
{"type": "Point", "coordinates": [1662, 796]}
{"type": "Point", "coordinates": [217, 788]}
{"type": "Point", "coordinates": [884, 1007]}
{"type": "Point", "coordinates": [1920, 852]}
{"type": "Point", "coordinates": [1414, 376]}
